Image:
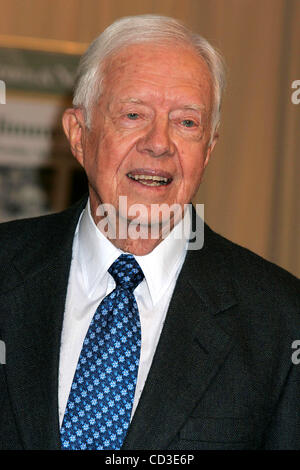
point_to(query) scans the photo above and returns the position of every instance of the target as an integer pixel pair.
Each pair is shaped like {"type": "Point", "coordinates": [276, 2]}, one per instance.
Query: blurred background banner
{"type": "Point", "coordinates": [36, 170]}
{"type": "Point", "coordinates": [37, 71]}
{"type": "Point", "coordinates": [251, 187]}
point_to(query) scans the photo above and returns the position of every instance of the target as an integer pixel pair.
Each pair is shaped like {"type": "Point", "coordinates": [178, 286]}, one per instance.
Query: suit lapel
{"type": "Point", "coordinates": [33, 311]}
{"type": "Point", "coordinates": [191, 349]}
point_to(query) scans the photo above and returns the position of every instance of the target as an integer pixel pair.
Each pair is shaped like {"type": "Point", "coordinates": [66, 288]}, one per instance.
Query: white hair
{"type": "Point", "coordinates": [140, 29]}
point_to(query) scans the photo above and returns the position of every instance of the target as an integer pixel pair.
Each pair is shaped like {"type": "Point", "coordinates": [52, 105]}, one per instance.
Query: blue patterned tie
{"type": "Point", "coordinates": [100, 402]}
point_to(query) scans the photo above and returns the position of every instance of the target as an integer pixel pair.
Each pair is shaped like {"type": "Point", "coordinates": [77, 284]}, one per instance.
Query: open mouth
{"type": "Point", "coordinates": [150, 178]}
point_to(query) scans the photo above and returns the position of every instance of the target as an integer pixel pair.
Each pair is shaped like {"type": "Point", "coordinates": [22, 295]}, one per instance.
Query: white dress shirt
{"type": "Point", "coordinates": [89, 282]}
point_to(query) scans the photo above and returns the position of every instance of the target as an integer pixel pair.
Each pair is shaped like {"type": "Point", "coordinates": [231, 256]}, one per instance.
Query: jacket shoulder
{"type": "Point", "coordinates": [18, 234]}
{"type": "Point", "coordinates": [252, 273]}
{"type": "Point", "coordinates": [29, 245]}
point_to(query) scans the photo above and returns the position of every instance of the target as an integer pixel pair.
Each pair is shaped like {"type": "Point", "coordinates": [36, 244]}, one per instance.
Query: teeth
{"type": "Point", "coordinates": [148, 177]}
{"type": "Point", "coordinates": [154, 183]}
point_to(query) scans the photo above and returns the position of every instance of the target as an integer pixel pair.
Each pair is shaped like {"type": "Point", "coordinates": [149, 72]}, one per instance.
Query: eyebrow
{"type": "Point", "coordinates": [132, 100]}
{"type": "Point", "coordinates": [193, 106]}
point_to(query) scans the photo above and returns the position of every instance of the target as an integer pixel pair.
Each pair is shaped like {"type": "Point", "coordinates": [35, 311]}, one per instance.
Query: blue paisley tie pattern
{"type": "Point", "coordinates": [100, 402]}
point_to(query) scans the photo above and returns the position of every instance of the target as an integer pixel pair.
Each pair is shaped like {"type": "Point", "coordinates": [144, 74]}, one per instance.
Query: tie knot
{"type": "Point", "coordinates": [126, 272]}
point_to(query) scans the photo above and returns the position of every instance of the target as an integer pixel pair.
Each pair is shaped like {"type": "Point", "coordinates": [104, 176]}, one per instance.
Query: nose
{"type": "Point", "coordinates": [157, 141]}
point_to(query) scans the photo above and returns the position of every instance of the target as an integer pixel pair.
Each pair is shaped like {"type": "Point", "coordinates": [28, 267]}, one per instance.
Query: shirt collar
{"type": "Point", "coordinates": [162, 265]}
{"type": "Point", "coordinates": [96, 254]}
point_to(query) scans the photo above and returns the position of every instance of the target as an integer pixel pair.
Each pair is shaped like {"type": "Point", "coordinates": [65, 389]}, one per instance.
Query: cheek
{"type": "Point", "coordinates": [112, 151]}
{"type": "Point", "coordinates": [100, 157]}
{"type": "Point", "coordinates": [192, 163]}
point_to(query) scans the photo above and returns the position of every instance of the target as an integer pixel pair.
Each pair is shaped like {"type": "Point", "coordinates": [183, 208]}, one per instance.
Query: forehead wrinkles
{"type": "Point", "coordinates": [159, 71]}
{"type": "Point", "coordinates": [166, 74]}
{"type": "Point", "coordinates": [157, 61]}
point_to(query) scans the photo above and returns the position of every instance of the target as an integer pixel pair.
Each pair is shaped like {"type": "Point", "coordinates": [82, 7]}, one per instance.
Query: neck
{"type": "Point", "coordinates": [137, 239]}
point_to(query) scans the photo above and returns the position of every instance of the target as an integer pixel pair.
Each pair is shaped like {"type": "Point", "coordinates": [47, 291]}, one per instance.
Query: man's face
{"type": "Point", "coordinates": [150, 132]}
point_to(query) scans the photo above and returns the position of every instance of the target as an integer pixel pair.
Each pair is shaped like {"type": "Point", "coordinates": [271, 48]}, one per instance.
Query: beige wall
{"type": "Point", "coordinates": [251, 190]}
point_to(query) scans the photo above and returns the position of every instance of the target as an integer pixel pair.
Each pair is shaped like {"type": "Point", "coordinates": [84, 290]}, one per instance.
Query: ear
{"type": "Point", "coordinates": [74, 128]}
{"type": "Point", "coordinates": [210, 148]}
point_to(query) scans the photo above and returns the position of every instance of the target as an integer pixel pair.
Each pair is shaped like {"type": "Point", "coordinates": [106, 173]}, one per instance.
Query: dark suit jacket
{"type": "Point", "coordinates": [222, 376]}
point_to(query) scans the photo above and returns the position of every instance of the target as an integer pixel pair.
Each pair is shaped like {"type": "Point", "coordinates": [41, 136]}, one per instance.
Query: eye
{"type": "Point", "coordinates": [188, 123]}
{"type": "Point", "coordinates": [132, 116]}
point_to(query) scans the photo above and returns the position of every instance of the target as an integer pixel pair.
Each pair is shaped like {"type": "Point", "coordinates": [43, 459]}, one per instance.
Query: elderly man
{"type": "Point", "coordinates": [118, 334]}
